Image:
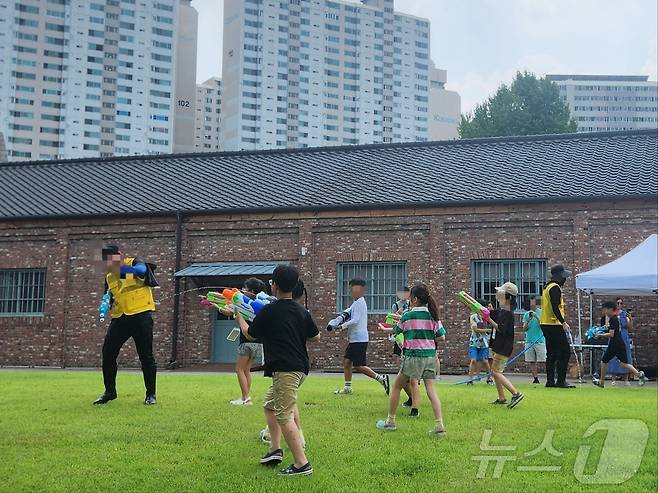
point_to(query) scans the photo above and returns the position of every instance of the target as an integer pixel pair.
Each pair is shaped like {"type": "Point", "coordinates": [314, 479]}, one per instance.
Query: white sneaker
{"type": "Point", "coordinates": [344, 390]}
{"type": "Point", "coordinates": [265, 436]}
{"type": "Point", "coordinates": [240, 402]}
{"type": "Point", "coordinates": [642, 379]}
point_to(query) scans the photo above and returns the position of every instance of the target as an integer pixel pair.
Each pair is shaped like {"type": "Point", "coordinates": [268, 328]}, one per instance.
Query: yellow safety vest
{"type": "Point", "coordinates": [130, 295]}
{"type": "Point", "coordinates": [547, 316]}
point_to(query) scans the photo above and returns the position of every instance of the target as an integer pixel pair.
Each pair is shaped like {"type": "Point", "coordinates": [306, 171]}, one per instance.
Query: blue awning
{"type": "Point", "coordinates": [228, 269]}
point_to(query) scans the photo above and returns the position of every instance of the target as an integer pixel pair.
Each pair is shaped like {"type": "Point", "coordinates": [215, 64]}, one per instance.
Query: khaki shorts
{"type": "Point", "coordinates": [499, 362]}
{"type": "Point", "coordinates": [281, 397]}
{"type": "Point", "coordinates": [536, 354]}
{"type": "Point", "coordinates": [419, 368]}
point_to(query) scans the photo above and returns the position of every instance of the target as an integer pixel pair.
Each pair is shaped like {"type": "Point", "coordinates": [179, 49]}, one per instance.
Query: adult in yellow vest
{"type": "Point", "coordinates": [555, 327]}
{"type": "Point", "coordinates": [130, 281]}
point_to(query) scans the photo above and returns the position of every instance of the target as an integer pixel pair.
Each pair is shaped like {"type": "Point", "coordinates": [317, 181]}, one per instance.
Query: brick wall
{"type": "Point", "coordinates": [437, 244]}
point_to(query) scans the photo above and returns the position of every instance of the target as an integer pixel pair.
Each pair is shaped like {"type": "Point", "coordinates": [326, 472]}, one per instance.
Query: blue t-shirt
{"type": "Point", "coordinates": [534, 332]}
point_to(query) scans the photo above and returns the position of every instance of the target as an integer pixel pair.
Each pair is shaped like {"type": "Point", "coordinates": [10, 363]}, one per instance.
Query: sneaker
{"type": "Point", "coordinates": [344, 390]}
{"type": "Point", "coordinates": [291, 470]}
{"type": "Point", "coordinates": [272, 458]}
{"type": "Point", "coordinates": [536, 380]}
{"type": "Point", "coordinates": [613, 383]}
{"type": "Point", "coordinates": [414, 413]}
{"type": "Point", "coordinates": [499, 401]}
{"type": "Point", "coordinates": [150, 400]}
{"type": "Point", "coordinates": [490, 381]}
{"type": "Point", "coordinates": [240, 402]}
{"type": "Point", "coordinates": [438, 432]}
{"type": "Point", "coordinates": [470, 382]}
{"type": "Point", "coordinates": [642, 379]}
{"type": "Point", "coordinates": [104, 398]}
{"type": "Point", "coordinates": [265, 436]}
{"type": "Point", "coordinates": [407, 403]}
{"type": "Point", "coordinates": [516, 398]}
{"type": "Point", "coordinates": [387, 384]}
{"type": "Point", "coordinates": [598, 382]}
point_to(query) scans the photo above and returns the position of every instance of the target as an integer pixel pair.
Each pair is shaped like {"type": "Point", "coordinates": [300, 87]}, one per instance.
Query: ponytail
{"type": "Point", "coordinates": [421, 292]}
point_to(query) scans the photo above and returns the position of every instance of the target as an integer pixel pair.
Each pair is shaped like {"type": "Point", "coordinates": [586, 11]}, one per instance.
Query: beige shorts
{"type": "Point", "coordinates": [419, 368]}
{"type": "Point", "coordinates": [536, 353]}
{"type": "Point", "coordinates": [281, 397]}
{"type": "Point", "coordinates": [499, 362]}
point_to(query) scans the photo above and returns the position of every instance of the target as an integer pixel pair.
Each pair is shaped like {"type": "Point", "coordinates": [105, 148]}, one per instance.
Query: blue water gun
{"type": "Point", "coordinates": [595, 330]}
{"type": "Point", "coordinates": [104, 307]}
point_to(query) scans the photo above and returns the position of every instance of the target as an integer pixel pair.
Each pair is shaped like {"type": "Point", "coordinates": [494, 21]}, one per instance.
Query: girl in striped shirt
{"type": "Point", "coordinates": [420, 328]}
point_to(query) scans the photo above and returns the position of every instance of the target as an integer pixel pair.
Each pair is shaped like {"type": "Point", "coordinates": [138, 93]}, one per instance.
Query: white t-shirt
{"type": "Point", "coordinates": [357, 325]}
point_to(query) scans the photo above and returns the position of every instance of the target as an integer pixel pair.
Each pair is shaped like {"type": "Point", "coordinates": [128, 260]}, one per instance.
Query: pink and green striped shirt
{"type": "Point", "coordinates": [419, 331]}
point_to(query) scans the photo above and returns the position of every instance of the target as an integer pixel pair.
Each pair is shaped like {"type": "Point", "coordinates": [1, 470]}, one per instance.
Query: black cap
{"type": "Point", "coordinates": [559, 272]}
{"type": "Point", "coordinates": [357, 282]}
{"type": "Point", "coordinates": [110, 249]}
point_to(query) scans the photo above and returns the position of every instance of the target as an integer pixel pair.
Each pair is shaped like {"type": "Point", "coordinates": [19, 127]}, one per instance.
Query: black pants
{"type": "Point", "coordinates": [558, 353]}
{"type": "Point", "coordinates": [140, 328]}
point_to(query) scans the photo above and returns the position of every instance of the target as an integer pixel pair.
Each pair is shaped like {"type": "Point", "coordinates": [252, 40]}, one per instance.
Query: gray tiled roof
{"type": "Point", "coordinates": [538, 168]}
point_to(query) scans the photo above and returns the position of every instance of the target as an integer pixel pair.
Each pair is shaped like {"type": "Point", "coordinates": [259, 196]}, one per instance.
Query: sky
{"type": "Point", "coordinates": [483, 43]}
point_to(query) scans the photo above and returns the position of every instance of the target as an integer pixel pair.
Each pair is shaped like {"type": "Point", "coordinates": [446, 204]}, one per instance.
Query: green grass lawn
{"type": "Point", "coordinates": [53, 439]}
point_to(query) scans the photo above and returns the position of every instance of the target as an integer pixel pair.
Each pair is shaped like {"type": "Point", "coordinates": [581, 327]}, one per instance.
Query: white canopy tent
{"type": "Point", "coordinates": [632, 274]}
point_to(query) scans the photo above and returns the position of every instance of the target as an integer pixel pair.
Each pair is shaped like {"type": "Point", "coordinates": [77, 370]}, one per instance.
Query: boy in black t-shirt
{"type": "Point", "coordinates": [502, 342]}
{"type": "Point", "coordinates": [283, 327]}
{"type": "Point", "coordinates": [616, 347]}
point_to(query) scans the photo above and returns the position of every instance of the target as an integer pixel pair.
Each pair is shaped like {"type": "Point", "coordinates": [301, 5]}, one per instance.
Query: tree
{"type": "Point", "coordinates": [529, 106]}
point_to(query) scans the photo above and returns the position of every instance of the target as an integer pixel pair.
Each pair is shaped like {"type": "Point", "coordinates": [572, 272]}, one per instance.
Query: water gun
{"type": "Point", "coordinates": [474, 305]}
{"type": "Point", "coordinates": [234, 300]}
{"type": "Point", "coordinates": [391, 320]}
{"type": "Point", "coordinates": [595, 330]}
{"type": "Point", "coordinates": [339, 320]}
{"type": "Point", "coordinates": [104, 307]}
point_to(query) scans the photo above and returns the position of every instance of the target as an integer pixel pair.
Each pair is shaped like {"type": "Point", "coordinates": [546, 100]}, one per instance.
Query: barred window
{"type": "Point", "coordinates": [528, 275]}
{"type": "Point", "coordinates": [22, 292]}
{"type": "Point", "coordinates": [384, 280]}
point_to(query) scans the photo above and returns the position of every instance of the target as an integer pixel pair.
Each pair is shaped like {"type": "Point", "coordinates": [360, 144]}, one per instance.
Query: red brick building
{"type": "Point", "coordinates": [457, 215]}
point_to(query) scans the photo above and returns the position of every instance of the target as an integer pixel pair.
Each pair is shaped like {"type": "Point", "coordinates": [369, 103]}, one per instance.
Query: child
{"type": "Point", "coordinates": [284, 327]}
{"type": "Point", "coordinates": [248, 352]}
{"type": "Point", "coordinates": [616, 347]}
{"type": "Point", "coordinates": [420, 328]}
{"type": "Point", "coordinates": [478, 347]}
{"type": "Point", "coordinates": [357, 337]}
{"type": "Point", "coordinates": [412, 390]}
{"type": "Point", "coordinates": [298, 293]}
{"type": "Point", "coordinates": [535, 344]}
{"type": "Point", "coordinates": [502, 342]}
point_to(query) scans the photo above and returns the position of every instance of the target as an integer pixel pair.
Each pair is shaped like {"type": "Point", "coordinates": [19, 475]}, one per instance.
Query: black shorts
{"type": "Point", "coordinates": [356, 353]}
{"type": "Point", "coordinates": [615, 350]}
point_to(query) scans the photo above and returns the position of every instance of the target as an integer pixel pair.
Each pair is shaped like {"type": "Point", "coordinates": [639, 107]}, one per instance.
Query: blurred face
{"type": "Point", "coordinates": [403, 295]}
{"type": "Point", "coordinates": [620, 304]}
{"type": "Point", "coordinates": [490, 306]}
{"type": "Point", "coordinates": [357, 291]}
{"type": "Point", "coordinates": [500, 297]}
{"type": "Point", "coordinates": [533, 304]}
{"type": "Point", "coordinates": [112, 263]}
{"type": "Point", "coordinates": [608, 312]}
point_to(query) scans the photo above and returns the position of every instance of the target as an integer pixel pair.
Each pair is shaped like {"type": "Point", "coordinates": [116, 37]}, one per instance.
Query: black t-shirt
{"type": "Point", "coordinates": [503, 342]}
{"type": "Point", "coordinates": [283, 328]}
{"type": "Point", "coordinates": [243, 339]}
{"type": "Point", "coordinates": [613, 324]}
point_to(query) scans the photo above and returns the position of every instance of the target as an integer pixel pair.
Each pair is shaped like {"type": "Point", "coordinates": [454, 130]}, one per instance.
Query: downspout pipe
{"type": "Point", "coordinates": [173, 363]}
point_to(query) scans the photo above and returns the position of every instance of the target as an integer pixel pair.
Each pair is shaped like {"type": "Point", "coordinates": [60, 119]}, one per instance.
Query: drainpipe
{"type": "Point", "coordinates": [174, 328]}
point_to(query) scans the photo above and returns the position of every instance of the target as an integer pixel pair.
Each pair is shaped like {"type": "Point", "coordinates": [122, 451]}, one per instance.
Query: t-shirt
{"type": "Point", "coordinates": [243, 339]}
{"type": "Point", "coordinates": [357, 325]}
{"type": "Point", "coordinates": [400, 305]}
{"type": "Point", "coordinates": [419, 331]}
{"type": "Point", "coordinates": [477, 340]}
{"type": "Point", "coordinates": [613, 324]}
{"type": "Point", "coordinates": [283, 328]}
{"type": "Point", "coordinates": [502, 338]}
{"type": "Point", "coordinates": [534, 333]}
